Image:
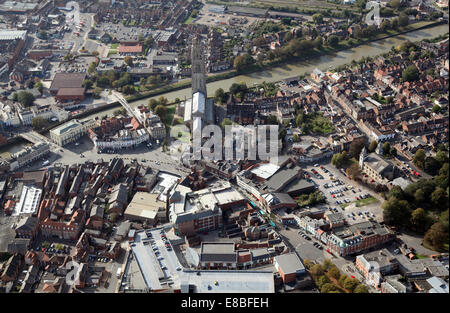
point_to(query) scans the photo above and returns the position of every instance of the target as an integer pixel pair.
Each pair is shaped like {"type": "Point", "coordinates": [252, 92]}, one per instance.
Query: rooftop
{"type": "Point", "coordinates": [241, 281]}
{"type": "Point", "coordinates": [289, 263]}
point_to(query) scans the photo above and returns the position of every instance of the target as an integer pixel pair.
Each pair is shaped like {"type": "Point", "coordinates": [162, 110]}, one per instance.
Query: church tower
{"type": "Point", "coordinates": [362, 157]}
{"type": "Point", "coordinates": [198, 66]}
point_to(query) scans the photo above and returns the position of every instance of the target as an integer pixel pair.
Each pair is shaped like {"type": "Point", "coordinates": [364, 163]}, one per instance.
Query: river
{"type": "Point", "coordinates": [304, 67]}
{"type": "Point", "coordinates": [300, 68]}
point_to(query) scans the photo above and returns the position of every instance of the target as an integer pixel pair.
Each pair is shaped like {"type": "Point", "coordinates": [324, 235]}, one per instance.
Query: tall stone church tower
{"type": "Point", "coordinates": [198, 66]}
{"type": "Point", "coordinates": [362, 157]}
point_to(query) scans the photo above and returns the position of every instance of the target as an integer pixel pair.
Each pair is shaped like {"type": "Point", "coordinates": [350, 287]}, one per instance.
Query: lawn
{"type": "Point", "coordinates": [366, 201]}
{"type": "Point", "coordinates": [114, 46]}
{"type": "Point", "coordinates": [189, 20]}
{"type": "Point", "coordinates": [421, 256]}
{"type": "Point", "coordinates": [316, 123]}
{"type": "Point", "coordinates": [360, 203]}
{"type": "Point", "coordinates": [112, 51]}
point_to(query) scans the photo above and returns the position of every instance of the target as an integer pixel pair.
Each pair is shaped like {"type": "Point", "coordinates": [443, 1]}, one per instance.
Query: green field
{"type": "Point", "coordinates": [366, 201]}
{"type": "Point", "coordinates": [189, 20]}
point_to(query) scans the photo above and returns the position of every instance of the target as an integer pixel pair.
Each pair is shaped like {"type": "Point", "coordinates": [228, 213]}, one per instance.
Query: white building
{"type": "Point", "coordinates": [70, 131]}
{"type": "Point", "coordinates": [127, 139]}
{"type": "Point", "coordinates": [26, 117]}
{"type": "Point", "coordinates": [29, 155]}
{"type": "Point", "coordinates": [29, 201]}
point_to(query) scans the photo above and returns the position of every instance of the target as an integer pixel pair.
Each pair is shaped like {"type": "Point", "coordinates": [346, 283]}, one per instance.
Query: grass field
{"type": "Point", "coordinates": [189, 20]}
{"type": "Point", "coordinates": [363, 202]}
{"type": "Point", "coordinates": [111, 52]}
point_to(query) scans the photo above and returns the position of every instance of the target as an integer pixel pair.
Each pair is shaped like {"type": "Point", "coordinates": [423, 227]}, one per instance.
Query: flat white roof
{"type": "Point", "coordinates": [238, 281]}
{"type": "Point", "coordinates": [29, 201]}
{"type": "Point", "coordinates": [165, 182]}
{"type": "Point", "coordinates": [197, 124]}
{"type": "Point", "coordinates": [188, 110]}
{"type": "Point", "coordinates": [12, 34]}
{"type": "Point", "coordinates": [265, 170]}
{"type": "Point", "coordinates": [198, 103]}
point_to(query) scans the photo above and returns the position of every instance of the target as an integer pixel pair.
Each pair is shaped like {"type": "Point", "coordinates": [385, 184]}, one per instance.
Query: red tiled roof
{"type": "Point", "coordinates": [130, 49]}
{"type": "Point", "coordinates": [70, 92]}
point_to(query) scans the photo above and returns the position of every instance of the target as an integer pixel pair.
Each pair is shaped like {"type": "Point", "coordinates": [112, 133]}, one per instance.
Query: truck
{"type": "Point", "coordinates": [119, 272]}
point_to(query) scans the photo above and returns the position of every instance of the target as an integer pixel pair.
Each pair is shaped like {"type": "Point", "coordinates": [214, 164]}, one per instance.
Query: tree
{"type": "Point", "coordinates": [393, 152]}
{"type": "Point", "coordinates": [354, 171]}
{"type": "Point", "coordinates": [242, 62]}
{"type": "Point", "coordinates": [419, 158]}
{"type": "Point", "coordinates": [410, 73]}
{"type": "Point", "coordinates": [396, 192]}
{"type": "Point", "coordinates": [39, 123]}
{"type": "Point", "coordinates": [340, 159]}
{"type": "Point", "coordinates": [355, 148]}
{"type": "Point", "coordinates": [317, 18]}
{"type": "Point", "coordinates": [152, 103]}
{"type": "Point", "coordinates": [419, 196]}
{"type": "Point", "coordinates": [350, 284]}
{"type": "Point", "coordinates": [386, 147]}
{"type": "Point", "coordinates": [272, 120]}
{"type": "Point", "coordinates": [219, 95]}
{"type": "Point", "coordinates": [226, 121]}
{"type": "Point", "coordinates": [39, 86]}
{"type": "Point", "coordinates": [160, 110]}
{"type": "Point", "coordinates": [395, 4]}
{"type": "Point", "coordinates": [25, 98]}
{"type": "Point", "coordinates": [431, 165]}
{"type": "Point", "coordinates": [87, 83]}
{"type": "Point", "coordinates": [128, 90]}
{"type": "Point", "coordinates": [419, 219]}
{"type": "Point", "coordinates": [300, 119]}
{"type": "Point", "coordinates": [259, 42]}
{"type": "Point", "coordinates": [342, 280]}
{"type": "Point", "coordinates": [403, 19]}
{"type": "Point", "coordinates": [436, 108]}
{"type": "Point", "coordinates": [361, 289]}
{"type": "Point", "coordinates": [43, 34]}
{"type": "Point", "coordinates": [373, 146]}
{"type": "Point", "coordinates": [317, 42]}
{"type": "Point", "coordinates": [333, 41]}
{"type": "Point", "coordinates": [334, 272]}
{"type": "Point", "coordinates": [316, 270]}
{"type": "Point", "coordinates": [439, 198]}
{"type": "Point", "coordinates": [394, 23]}
{"type": "Point", "coordinates": [329, 288]}
{"type": "Point", "coordinates": [162, 100]}
{"type": "Point", "coordinates": [322, 280]}
{"type": "Point", "coordinates": [97, 92]}
{"type": "Point", "coordinates": [92, 67]}
{"type": "Point", "coordinates": [385, 25]}
{"type": "Point", "coordinates": [128, 60]}
{"type": "Point", "coordinates": [436, 236]}
{"type": "Point", "coordinates": [441, 157]}
{"type": "Point", "coordinates": [395, 211]}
